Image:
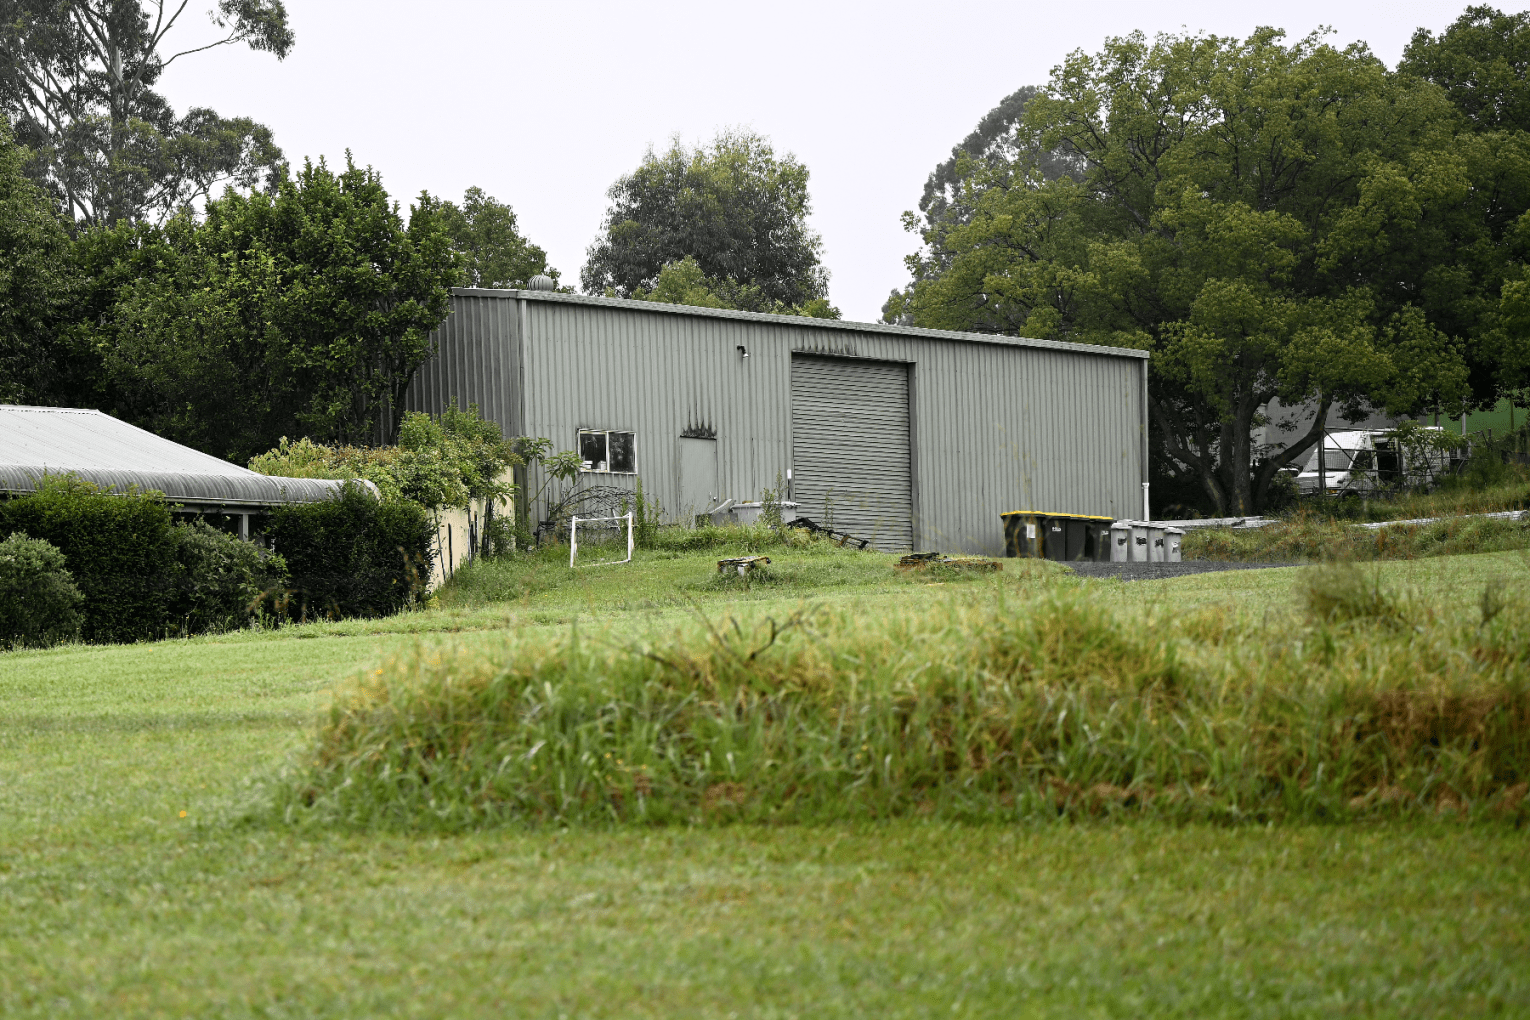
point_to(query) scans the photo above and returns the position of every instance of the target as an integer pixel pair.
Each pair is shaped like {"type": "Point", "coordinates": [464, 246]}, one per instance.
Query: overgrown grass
{"type": "Point", "coordinates": [988, 707]}
{"type": "Point", "coordinates": [1311, 536]}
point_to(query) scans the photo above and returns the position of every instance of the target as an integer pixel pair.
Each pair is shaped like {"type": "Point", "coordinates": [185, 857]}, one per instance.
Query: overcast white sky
{"type": "Point", "coordinates": [544, 104]}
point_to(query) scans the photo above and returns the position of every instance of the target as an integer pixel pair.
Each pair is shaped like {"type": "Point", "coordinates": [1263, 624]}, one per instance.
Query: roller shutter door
{"type": "Point", "coordinates": [850, 447]}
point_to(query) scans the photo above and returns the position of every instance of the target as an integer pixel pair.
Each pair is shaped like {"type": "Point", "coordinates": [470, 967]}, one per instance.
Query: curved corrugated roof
{"type": "Point", "coordinates": [108, 452]}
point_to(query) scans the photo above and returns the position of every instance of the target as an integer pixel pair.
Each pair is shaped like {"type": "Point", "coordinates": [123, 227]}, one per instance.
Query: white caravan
{"type": "Point", "coordinates": [1361, 461]}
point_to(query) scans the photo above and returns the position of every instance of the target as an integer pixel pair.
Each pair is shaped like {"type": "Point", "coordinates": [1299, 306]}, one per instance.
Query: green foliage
{"type": "Point", "coordinates": [483, 231]}
{"type": "Point", "coordinates": [39, 603]}
{"type": "Point", "coordinates": [119, 548]}
{"type": "Point", "coordinates": [734, 207]}
{"type": "Point", "coordinates": [1482, 61]}
{"type": "Point", "coordinates": [142, 575]}
{"type": "Point", "coordinates": [770, 506]}
{"type": "Point", "coordinates": [439, 462]}
{"type": "Point", "coordinates": [352, 556]}
{"type": "Point", "coordinates": [563, 466]}
{"type": "Point", "coordinates": [1270, 220]}
{"type": "Point", "coordinates": [952, 189]}
{"type": "Point", "coordinates": [77, 81]}
{"type": "Point", "coordinates": [221, 583]}
{"type": "Point", "coordinates": [966, 710]}
{"type": "Point", "coordinates": [35, 281]}
{"type": "Point", "coordinates": [301, 311]}
{"type": "Point", "coordinates": [684, 283]}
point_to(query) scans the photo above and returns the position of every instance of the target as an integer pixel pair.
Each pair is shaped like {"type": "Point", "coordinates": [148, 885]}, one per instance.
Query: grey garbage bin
{"type": "Point", "coordinates": [1121, 542]}
{"type": "Point", "coordinates": [1140, 543]}
{"type": "Point", "coordinates": [1171, 541]}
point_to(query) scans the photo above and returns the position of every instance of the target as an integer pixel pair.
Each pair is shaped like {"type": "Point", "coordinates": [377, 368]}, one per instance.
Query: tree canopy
{"type": "Point", "coordinates": [77, 82]}
{"type": "Point", "coordinates": [483, 231]}
{"type": "Point", "coordinates": [1482, 61]}
{"type": "Point", "coordinates": [35, 280]}
{"type": "Point", "coordinates": [951, 190]}
{"type": "Point", "coordinates": [305, 311]}
{"type": "Point", "coordinates": [1269, 219]}
{"type": "Point", "coordinates": [735, 207]}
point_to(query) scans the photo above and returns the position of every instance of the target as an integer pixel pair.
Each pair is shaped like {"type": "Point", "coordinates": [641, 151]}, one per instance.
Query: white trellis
{"type": "Point", "coordinates": [573, 539]}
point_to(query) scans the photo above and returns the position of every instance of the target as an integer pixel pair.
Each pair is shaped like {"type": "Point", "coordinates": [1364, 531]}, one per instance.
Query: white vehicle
{"type": "Point", "coordinates": [1361, 461]}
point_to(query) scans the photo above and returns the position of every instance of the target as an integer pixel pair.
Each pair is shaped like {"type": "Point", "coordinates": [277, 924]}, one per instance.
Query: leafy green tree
{"type": "Point", "coordinates": [77, 81]}
{"type": "Point", "coordinates": [1270, 220]}
{"type": "Point", "coordinates": [1483, 62]}
{"type": "Point", "coordinates": [305, 311]}
{"type": "Point", "coordinates": [734, 206]}
{"type": "Point", "coordinates": [35, 281]}
{"type": "Point", "coordinates": [483, 230]}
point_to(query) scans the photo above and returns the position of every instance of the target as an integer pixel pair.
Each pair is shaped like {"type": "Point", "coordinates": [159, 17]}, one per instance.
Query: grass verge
{"type": "Point", "coordinates": [1312, 537]}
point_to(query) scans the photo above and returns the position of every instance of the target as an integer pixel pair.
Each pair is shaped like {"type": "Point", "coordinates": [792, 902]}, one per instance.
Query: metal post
{"type": "Point", "coordinates": [629, 534]}
{"type": "Point", "coordinates": [573, 539]}
{"type": "Point", "coordinates": [1323, 460]}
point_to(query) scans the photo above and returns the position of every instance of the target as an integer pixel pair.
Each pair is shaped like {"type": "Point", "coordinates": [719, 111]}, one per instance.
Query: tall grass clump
{"type": "Point", "coordinates": [973, 708]}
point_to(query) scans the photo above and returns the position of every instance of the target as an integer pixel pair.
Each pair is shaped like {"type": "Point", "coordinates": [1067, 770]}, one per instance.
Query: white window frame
{"type": "Point", "coordinates": [607, 433]}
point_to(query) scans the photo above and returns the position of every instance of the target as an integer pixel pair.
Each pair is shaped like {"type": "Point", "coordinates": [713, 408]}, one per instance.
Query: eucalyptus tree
{"type": "Point", "coordinates": [78, 82]}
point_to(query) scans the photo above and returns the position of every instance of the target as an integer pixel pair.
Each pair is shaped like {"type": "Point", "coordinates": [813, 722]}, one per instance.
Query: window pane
{"type": "Point", "coordinates": [622, 458]}
{"type": "Point", "coordinates": [592, 450]}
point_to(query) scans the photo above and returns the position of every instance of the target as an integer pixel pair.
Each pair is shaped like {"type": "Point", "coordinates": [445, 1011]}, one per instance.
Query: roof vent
{"type": "Point", "coordinates": [541, 282]}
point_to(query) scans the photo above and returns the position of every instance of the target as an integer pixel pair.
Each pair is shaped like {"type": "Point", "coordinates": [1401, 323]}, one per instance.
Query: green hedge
{"type": "Point", "coordinates": [120, 549]}
{"type": "Point", "coordinates": [352, 556]}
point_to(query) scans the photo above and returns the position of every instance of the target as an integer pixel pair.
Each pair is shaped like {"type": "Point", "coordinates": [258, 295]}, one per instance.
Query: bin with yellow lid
{"type": "Point", "coordinates": [1055, 536]}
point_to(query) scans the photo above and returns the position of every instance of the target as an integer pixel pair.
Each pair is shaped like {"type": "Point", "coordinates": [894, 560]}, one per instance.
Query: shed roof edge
{"type": "Point", "coordinates": [802, 321]}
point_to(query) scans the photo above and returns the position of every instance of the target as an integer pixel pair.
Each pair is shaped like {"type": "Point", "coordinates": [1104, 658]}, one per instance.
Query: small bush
{"type": "Point", "coordinates": [352, 556]}
{"type": "Point", "coordinates": [39, 603]}
{"type": "Point", "coordinates": [221, 582]}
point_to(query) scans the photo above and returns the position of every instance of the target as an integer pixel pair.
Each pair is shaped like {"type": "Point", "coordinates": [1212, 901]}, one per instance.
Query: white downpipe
{"type": "Point", "coordinates": [1146, 512]}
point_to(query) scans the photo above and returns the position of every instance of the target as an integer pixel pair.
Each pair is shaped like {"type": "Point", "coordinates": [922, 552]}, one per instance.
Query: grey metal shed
{"type": "Point", "coordinates": [911, 437]}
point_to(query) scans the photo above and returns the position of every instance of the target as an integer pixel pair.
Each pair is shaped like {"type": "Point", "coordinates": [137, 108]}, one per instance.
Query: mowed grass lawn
{"type": "Point", "coordinates": [125, 891]}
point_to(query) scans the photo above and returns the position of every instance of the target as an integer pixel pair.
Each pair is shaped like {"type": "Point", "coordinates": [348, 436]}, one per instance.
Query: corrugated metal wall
{"type": "Point", "coordinates": [478, 361]}
{"type": "Point", "coordinates": [996, 426]}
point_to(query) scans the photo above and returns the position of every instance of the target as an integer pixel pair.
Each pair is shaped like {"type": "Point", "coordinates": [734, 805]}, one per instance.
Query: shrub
{"type": "Point", "coordinates": [119, 547]}
{"type": "Point", "coordinates": [221, 582]}
{"type": "Point", "coordinates": [352, 556]}
{"type": "Point", "coordinates": [39, 603]}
